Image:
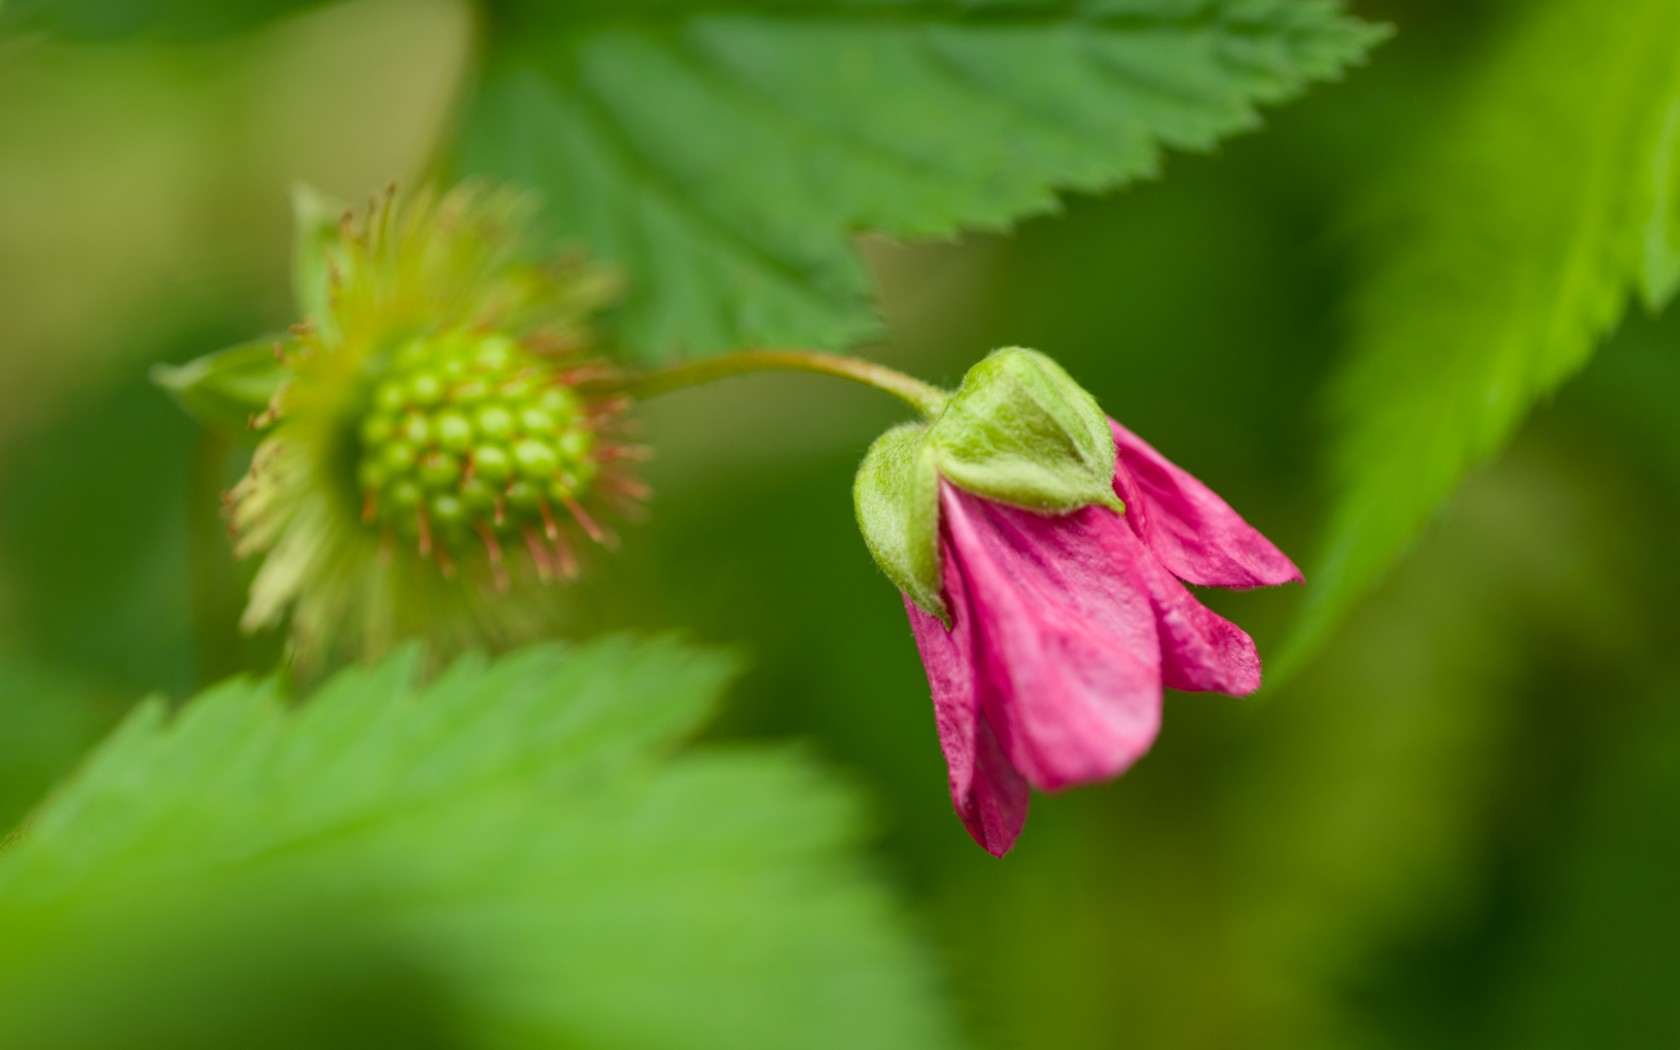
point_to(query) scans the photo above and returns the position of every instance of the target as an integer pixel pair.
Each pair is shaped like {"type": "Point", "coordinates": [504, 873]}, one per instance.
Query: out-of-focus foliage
{"type": "Point", "coordinates": [1450, 830]}
{"type": "Point", "coordinates": [510, 837]}
{"type": "Point", "coordinates": [721, 150]}
{"type": "Point", "coordinates": [161, 19]}
{"type": "Point", "coordinates": [1499, 258]}
{"type": "Point", "coordinates": [146, 183]}
{"type": "Point", "coordinates": [48, 720]}
{"type": "Point", "coordinates": [1596, 973]}
{"type": "Point", "coordinates": [226, 390]}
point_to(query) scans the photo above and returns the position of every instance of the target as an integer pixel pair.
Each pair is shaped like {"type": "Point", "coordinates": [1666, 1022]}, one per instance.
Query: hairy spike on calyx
{"type": "Point", "coordinates": [448, 396]}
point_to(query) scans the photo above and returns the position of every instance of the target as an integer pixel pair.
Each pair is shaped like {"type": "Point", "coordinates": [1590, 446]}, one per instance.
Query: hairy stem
{"type": "Point", "coordinates": [924, 397]}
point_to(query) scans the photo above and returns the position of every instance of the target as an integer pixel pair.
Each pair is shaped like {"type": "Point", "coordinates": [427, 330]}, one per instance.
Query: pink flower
{"type": "Point", "coordinates": [1064, 628]}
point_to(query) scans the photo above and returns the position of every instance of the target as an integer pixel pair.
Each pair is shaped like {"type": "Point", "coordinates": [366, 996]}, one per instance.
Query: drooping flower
{"type": "Point", "coordinates": [1041, 548]}
{"type": "Point", "coordinates": [444, 439]}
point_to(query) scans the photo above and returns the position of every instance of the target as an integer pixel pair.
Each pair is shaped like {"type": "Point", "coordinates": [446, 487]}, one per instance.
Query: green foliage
{"type": "Point", "coordinates": [1333, 868]}
{"type": "Point", "coordinates": [1509, 250]}
{"type": "Point", "coordinates": [47, 719]}
{"type": "Point", "coordinates": [228, 389]}
{"type": "Point", "coordinates": [1602, 970]}
{"type": "Point", "coordinates": [509, 845]}
{"type": "Point", "coordinates": [174, 19]}
{"type": "Point", "coordinates": [97, 574]}
{"type": "Point", "coordinates": [722, 150]}
{"type": "Point", "coordinates": [1018, 430]}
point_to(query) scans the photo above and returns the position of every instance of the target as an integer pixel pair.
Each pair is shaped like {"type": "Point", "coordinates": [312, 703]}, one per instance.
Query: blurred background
{"type": "Point", "coordinates": [1456, 827]}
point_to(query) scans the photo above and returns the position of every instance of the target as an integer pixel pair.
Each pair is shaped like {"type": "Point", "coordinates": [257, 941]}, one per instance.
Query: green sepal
{"type": "Point", "coordinates": [896, 494]}
{"type": "Point", "coordinates": [1020, 431]}
{"type": "Point", "coordinates": [228, 389]}
{"type": "Point", "coordinates": [317, 249]}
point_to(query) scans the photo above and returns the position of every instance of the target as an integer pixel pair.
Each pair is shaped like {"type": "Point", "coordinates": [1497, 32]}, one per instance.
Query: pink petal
{"type": "Point", "coordinates": [988, 793]}
{"type": "Point", "coordinates": [1189, 528]}
{"type": "Point", "coordinates": [1201, 652]}
{"type": "Point", "coordinates": [1068, 662]}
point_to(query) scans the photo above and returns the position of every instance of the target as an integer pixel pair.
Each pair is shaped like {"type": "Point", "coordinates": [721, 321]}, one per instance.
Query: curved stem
{"type": "Point", "coordinates": [924, 397]}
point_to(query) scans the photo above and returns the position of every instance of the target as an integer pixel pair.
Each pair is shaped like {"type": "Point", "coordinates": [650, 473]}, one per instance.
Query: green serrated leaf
{"type": "Point", "coordinates": [1020, 431]}
{"type": "Point", "coordinates": [1534, 213]}
{"type": "Point", "coordinates": [896, 495]}
{"type": "Point", "coordinates": [511, 844]}
{"type": "Point", "coordinates": [724, 151]}
{"type": "Point", "coordinates": [226, 390]}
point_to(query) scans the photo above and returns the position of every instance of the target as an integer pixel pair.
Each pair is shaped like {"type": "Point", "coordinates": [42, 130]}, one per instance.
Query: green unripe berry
{"type": "Point", "coordinates": [576, 445]}
{"type": "Point", "coordinates": [381, 508]}
{"type": "Point", "coordinates": [415, 429]}
{"type": "Point", "coordinates": [452, 430]}
{"type": "Point", "coordinates": [495, 423]}
{"type": "Point", "coordinates": [448, 509]}
{"type": "Point", "coordinates": [404, 494]}
{"type": "Point", "coordinates": [491, 462]}
{"type": "Point", "coordinates": [426, 388]}
{"type": "Point", "coordinates": [534, 422]}
{"type": "Point", "coordinates": [468, 434]}
{"type": "Point", "coordinates": [440, 470]}
{"type": "Point", "coordinates": [523, 495]}
{"type": "Point", "coordinates": [533, 459]}
{"type": "Point", "coordinates": [398, 457]}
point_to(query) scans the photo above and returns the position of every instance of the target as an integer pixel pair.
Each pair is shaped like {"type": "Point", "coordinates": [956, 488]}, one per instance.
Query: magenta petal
{"type": "Point", "coordinates": [1189, 528]}
{"type": "Point", "coordinates": [1068, 669]}
{"type": "Point", "coordinates": [1201, 651]}
{"type": "Point", "coordinates": [988, 793]}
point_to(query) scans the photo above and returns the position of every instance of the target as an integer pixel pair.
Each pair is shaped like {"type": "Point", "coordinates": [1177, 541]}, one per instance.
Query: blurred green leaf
{"type": "Point", "coordinates": [173, 19]}
{"type": "Point", "coordinates": [512, 831]}
{"type": "Point", "coordinates": [723, 151]}
{"type": "Point", "coordinates": [227, 389]}
{"type": "Point", "coordinates": [95, 550]}
{"type": "Point", "coordinates": [47, 720]}
{"type": "Point", "coordinates": [1510, 248]}
{"type": "Point", "coordinates": [216, 972]}
{"type": "Point", "coordinates": [1600, 968]}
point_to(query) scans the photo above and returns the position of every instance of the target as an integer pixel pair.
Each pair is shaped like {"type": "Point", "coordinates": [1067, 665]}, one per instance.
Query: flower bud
{"type": "Point", "coordinates": [1018, 431]}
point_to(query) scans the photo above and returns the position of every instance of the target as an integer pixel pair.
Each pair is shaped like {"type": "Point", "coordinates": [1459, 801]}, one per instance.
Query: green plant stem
{"type": "Point", "coordinates": [924, 397]}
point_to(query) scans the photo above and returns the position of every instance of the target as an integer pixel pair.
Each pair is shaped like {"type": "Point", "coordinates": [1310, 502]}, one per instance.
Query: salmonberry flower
{"type": "Point", "coordinates": [442, 440]}
{"type": "Point", "coordinates": [1042, 549]}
